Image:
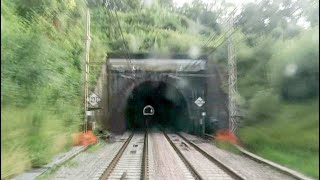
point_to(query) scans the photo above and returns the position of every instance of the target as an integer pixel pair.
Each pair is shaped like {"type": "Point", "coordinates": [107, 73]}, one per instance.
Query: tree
{"type": "Point", "coordinates": [201, 12]}
{"type": "Point", "coordinates": [124, 5]}
{"type": "Point", "coordinates": [267, 15]}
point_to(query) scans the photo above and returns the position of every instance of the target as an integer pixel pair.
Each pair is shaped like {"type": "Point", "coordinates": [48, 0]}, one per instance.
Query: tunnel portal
{"type": "Point", "coordinates": [170, 107]}
{"type": "Point", "coordinates": [171, 85]}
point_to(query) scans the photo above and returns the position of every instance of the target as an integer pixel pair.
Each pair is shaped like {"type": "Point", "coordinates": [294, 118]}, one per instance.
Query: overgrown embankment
{"type": "Point", "coordinates": [279, 85]}
{"type": "Point", "coordinates": [42, 46]}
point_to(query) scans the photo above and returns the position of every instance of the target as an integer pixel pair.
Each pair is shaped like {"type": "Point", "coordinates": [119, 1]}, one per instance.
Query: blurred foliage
{"type": "Point", "coordinates": [290, 137]}
{"type": "Point", "coordinates": [294, 67]}
{"type": "Point", "coordinates": [203, 13]}
{"type": "Point", "coordinates": [155, 29]}
{"type": "Point", "coordinates": [278, 77]}
{"type": "Point", "coordinates": [42, 58]}
{"type": "Point", "coordinates": [41, 80]}
{"type": "Point", "coordinates": [227, 146]}
{"type": "Point", "coordinates": [263, 105]}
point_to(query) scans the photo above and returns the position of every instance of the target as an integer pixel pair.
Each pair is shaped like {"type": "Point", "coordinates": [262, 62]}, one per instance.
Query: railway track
{"type": "Point", "coordinates": [130, 161]}
{"type": "Point", "coordinates": [158, 155]}
{"type": "Point", "coordinates": [201, 164]}
{"type": "Point", "coordinates": [268, 163]}
{"type": "Point", "coordinates": [134, 159]}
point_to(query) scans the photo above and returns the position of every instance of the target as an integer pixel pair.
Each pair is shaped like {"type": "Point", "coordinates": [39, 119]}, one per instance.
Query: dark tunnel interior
{"type": "Point", "coordinates": [170, 107]}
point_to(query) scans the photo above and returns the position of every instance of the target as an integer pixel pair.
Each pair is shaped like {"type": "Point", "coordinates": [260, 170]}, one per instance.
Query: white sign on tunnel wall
{"type": "Point", "coordinates": [94, 99]}
{"type": "Point", "coordinates": [199, 102]}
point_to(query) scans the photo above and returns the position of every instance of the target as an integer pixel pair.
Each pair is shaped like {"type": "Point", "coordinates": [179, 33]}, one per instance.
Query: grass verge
{"type": "Point", "coordinates": [290, 139]}
{"type": "Point", "coordinates": [95, 147]}
{"type": "Point", "coordinates": [226, 146]}
{"type": "Point", "coordinates": [30, 138]}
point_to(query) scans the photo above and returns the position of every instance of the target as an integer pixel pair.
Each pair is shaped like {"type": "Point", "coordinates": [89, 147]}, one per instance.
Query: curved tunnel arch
{"type": "Point", "coordinates": [171, 108]}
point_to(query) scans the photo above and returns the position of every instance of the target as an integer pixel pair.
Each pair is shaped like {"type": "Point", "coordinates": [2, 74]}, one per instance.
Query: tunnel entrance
{"type": "Point", "coordinates": [170, 107]}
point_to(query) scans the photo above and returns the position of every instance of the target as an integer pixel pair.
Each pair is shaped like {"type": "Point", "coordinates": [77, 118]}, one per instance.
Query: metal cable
{"type": "Point", "coordinates": [128, 59]}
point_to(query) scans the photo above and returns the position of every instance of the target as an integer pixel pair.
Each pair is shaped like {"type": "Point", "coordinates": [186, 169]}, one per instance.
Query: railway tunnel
{"type": "Point", "coordinates": [169, 106]}
{"type": "Point", "coordinates": [184, 92]}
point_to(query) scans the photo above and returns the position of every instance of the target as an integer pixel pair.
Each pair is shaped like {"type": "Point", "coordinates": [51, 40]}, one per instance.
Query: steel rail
{"type": "Point", "coordinates": [184, 159]}
{"type": "Point", "coordinates": [116, 159]}
{"type": "Point", "coordinates": [145, 166]}
{"type": "Point", "coordinates": [224, 167]}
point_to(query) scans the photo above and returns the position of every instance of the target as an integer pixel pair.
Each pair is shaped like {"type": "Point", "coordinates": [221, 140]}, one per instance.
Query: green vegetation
{"type": "Point", "coordinates": [290, 137]}
{"type": "Point", "coordinates": [51, 172]}
{"type": "Point", "coordinates": [227, 146]}
{"type": "Point", "coordinates": [94, 148]}
{"type": "Point", "coordinates": [71, 163]}
{"type": "Point", "coordinates": [278, 82]}
{"type": "Point", "coordinates": [42, 60]}
{"type": "Point", "coordinates": [48, 175]}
